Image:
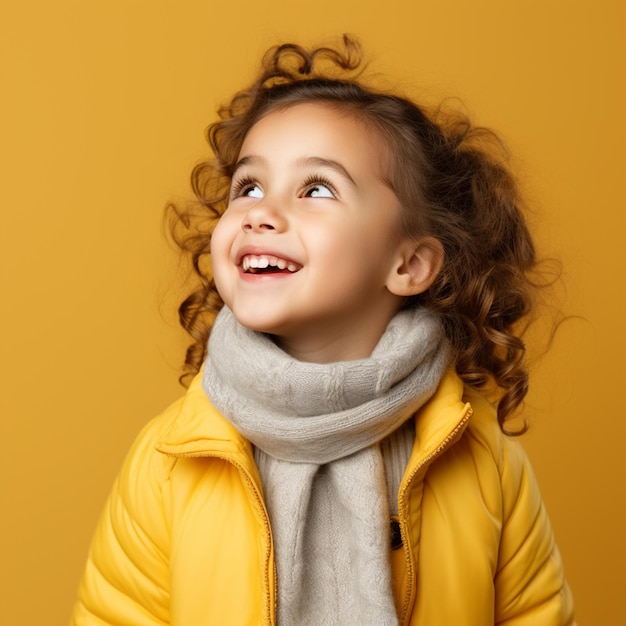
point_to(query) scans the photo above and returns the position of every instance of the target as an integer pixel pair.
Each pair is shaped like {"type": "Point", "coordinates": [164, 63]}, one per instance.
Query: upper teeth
{"type": "Point", "coordinates": [253, 261]}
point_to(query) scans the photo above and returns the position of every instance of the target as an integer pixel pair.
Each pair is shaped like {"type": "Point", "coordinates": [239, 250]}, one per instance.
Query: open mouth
{"type": "Point", "coordinates": [268, 264]}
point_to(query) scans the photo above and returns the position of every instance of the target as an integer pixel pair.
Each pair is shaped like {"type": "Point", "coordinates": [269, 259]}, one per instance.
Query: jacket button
{"type": "Point", "coordinates": [396, 535]}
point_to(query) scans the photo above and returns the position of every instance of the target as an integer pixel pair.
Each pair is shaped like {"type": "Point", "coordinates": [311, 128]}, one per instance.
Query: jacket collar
{"type": "Point", "coordinates": [198, 429]}
{"type": "Point", "coordinates": [440, 422]}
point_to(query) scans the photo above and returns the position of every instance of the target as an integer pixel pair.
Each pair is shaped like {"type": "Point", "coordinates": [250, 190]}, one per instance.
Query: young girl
{"type": "Point", "coordinates": [334, 461]}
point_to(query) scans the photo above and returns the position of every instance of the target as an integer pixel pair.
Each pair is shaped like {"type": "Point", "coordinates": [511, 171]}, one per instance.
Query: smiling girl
{"type": "Point", "coordinates": [308, 189]}
{"type": "Point", "coordinates": [334, 460]}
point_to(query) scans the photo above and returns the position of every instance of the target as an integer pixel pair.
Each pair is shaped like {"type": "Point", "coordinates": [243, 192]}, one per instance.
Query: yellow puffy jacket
{"type": "Point", "coordinates": [185, 538]}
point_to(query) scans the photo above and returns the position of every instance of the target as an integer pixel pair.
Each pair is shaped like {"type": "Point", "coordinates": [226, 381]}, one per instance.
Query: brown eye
{"type": "Point", "coordinates": [319, 191]}
{"type": "Point", "coordinates": [319, 187]}
{"type": "Point", "coordinates": [252, 191]}
{"type": "Point", "coordinates": [246, 187]}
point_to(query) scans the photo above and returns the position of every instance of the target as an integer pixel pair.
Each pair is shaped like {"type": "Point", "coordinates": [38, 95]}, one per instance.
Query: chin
{"type": "Point", "coordinates": [252, 321]}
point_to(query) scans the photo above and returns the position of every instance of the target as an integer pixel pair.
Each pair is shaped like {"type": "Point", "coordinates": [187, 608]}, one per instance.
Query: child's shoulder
{"type": "Point", "coordinates": [484, 427]}
{"type": "Point", "coordinates": [142, 458]}
{"type": "Point", "coordinates": [490, 447]}
{"type": "Point", "coordinates": [190, 426]}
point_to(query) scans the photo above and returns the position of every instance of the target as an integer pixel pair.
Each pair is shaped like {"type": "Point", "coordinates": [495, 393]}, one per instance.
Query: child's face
{"type": "Point", "coordinates": [311, 235]}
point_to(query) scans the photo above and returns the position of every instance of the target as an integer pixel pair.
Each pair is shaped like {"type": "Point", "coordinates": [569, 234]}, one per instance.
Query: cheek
{"type": "Point", "coordinates": [361, 243]}
{"type": "Point", "coordinates": [221, 245]}
{"type": "Point", "coordinates": [223, 237]}
{"type": "Point", "coordinates": [348, 260]}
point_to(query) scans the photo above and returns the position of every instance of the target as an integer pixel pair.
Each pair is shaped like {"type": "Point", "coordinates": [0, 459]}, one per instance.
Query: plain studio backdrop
{"type": "Point", "coordinates": [103, 109]}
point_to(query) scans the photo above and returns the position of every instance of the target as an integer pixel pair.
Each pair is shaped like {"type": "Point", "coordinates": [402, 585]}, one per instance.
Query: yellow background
{"type": "Point", "coordinates": [103, 106]}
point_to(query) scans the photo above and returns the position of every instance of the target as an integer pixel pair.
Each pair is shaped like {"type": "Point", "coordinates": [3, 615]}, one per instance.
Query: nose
{"type": "Point", "coordinates": [263, 217]}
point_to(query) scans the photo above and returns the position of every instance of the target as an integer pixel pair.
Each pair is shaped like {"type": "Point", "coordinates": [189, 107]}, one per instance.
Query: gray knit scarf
{"type": "Point", "coordinates": [316, 430]}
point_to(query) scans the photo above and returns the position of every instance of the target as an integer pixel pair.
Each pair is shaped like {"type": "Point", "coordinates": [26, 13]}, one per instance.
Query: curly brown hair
{"type": "Point", "coordinates": [453, 181]}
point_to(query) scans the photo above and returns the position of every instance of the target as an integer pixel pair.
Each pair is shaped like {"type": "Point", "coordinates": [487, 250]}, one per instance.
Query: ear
{"type": "Point", "coordinates": [416, 269]}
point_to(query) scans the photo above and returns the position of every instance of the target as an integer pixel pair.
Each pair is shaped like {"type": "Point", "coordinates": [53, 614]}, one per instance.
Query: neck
{"type": "Point", "coordinates": [332, 351]}
{"type": "Point", "coordinates": [272, 398]}
{"type": "Point", "coordinates": [324, 343]}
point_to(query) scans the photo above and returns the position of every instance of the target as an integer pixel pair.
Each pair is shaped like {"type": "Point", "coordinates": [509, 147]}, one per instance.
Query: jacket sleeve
{"type": "Point", "coordinates": [125, 581]}
{"type": "Point", "coordinates": [530, 586]}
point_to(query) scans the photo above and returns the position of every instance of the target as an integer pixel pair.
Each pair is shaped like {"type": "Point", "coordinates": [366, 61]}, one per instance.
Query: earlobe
{"type": "Point", "coordinates": [417, 268]}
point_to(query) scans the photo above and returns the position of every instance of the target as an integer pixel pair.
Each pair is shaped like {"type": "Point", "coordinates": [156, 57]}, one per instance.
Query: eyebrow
{"type": "Point", "coordinates": [302, 162]}
{"type": "Point", "coordinates": [330, 163]}
{"type": "Point", "coordinates": [248, 160]}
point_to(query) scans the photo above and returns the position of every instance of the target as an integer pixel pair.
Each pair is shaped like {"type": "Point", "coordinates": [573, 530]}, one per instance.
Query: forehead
{"type": "Point", "coordinates": [316, 129]}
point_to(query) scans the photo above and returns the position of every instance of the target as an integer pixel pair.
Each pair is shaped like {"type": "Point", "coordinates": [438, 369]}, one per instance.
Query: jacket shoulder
{"type": "Point", "coordinates": [484, 432]}
{"type": "Point", "coordinates": [127, 565]}
{"type": "Point", "coordinates": [529, 578]}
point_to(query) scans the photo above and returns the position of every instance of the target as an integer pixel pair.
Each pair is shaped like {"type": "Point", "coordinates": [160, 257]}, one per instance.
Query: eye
{"type": "Point", "coordinates": [246, 187]}
{"type": "Point", "coordinates": [318, 187]}
{"type": "Point", "coordinates": [319, 191]}
{"type": "Point", "coordinates": [252, 191]}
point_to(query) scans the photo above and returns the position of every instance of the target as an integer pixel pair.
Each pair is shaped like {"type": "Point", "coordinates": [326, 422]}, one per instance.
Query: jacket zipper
{"type": "Point", "coordinates": [452, 436]}
{"type": "Point", "coordinates": [401, 502]}
{"type": "Point", "coordinates": [252, 488]}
